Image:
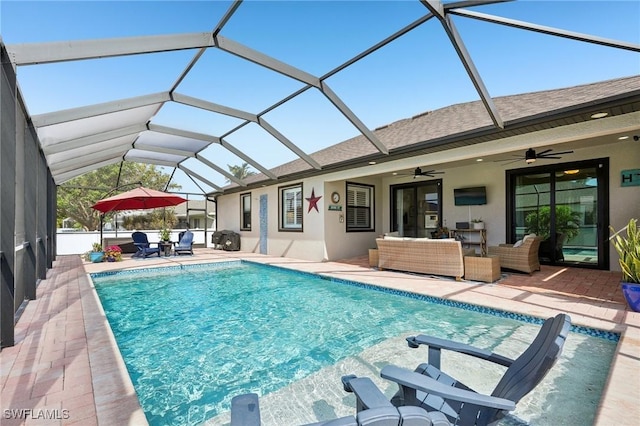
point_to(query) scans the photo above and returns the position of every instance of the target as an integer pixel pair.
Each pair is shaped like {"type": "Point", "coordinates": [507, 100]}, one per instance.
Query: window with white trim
{"type": "Point", "coordinates": [245, 209]}
{"type": "Point", "coordinates": [360, 207]}
{"type": "Point", "coordinates": [291, 208]}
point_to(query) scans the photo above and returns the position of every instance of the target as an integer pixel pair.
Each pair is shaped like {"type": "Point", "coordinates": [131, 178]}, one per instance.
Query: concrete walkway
{"type": "Point", "coordinates": [66, 369]}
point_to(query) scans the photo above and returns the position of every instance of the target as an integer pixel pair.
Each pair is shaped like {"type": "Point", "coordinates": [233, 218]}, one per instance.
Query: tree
{"type": "Point", "coordinates": [241, 172]}
{"type": "Point", "coordinates": [153, 219]}
{"type": "Point", "coordinates": [76, 196]}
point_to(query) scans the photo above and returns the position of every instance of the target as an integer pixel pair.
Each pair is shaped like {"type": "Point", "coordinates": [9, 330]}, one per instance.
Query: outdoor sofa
{"type": "Point", "coordinates": [422, 255]}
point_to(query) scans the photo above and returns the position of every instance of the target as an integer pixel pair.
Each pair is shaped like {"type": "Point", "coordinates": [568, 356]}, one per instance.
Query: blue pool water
{"type": "Point", "coordinates": [194, 337]}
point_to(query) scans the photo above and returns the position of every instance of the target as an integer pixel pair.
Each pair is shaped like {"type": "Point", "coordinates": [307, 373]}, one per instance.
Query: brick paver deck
{"type": "Point", "coordinates": [66, 365]}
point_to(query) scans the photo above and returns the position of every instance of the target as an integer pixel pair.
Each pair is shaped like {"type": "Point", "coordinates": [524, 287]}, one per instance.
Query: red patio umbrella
{"type": "Point", "coordinates": [138, 199]}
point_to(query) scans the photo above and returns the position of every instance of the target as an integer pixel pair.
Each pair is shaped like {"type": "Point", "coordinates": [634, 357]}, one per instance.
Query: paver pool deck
{"type": "Point", "coordinates": [66, 363]}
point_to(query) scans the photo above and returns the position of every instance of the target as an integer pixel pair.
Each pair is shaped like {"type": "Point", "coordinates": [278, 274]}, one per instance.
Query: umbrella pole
{"type": "Point", "coordinates": [101, 223]}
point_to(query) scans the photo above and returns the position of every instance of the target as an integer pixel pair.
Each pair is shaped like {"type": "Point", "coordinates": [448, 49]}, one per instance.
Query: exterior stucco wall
{"type": "Point", "coordinates": [624, 202]}
{"type": "Point", "coordinates": [341, 244]}
{"type": "Point", "coordinates": [325, 237]}
{"type": "Point", "coordinates": [308, 244]}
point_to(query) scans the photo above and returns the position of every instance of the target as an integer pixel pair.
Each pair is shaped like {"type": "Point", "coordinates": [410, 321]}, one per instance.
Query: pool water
{"type": "Point", "coordinates": [193, 338]}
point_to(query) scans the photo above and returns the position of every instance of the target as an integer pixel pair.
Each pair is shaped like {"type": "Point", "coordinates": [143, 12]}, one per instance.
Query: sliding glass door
{"type": "Point", "coordinates": [416, 208]}
{"type": "Point", "coordinates": [566, 205]}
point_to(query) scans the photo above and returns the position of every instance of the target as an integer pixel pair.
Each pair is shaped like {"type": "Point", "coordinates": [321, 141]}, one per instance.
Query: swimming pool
{"type": "Point", "coordinates": [193, 337]}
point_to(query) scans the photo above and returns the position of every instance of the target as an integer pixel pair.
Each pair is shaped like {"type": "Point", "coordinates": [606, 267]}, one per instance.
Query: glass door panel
{"type": "Point", "coordinates": [576, 221]}
{"type": "Point", "coordinates": [429, 208]}
{"type": "Point", "coordinates": [564, 204]}
{"type": "Point", "coordinates": [404, 218]}
{"type": "Point", "coordinates": [416, 208]}
{"type": "Point", "coordinates": [532, 205]}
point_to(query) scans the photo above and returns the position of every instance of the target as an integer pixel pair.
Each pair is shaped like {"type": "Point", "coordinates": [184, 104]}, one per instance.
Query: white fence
{"type": "Point", "coordinates": [81, 242]}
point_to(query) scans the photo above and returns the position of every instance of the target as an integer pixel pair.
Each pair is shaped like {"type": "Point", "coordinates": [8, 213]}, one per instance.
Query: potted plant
{"type": "Point", "coordinates": [539, 223]}
{"type": "Point", "coordinates": [113, 254]}
{"type": "Point", "coordinates": [96, 254]}
{"type": "Point", "coordinates": [628, 249]}
{"type": "Point", "coordinates": [165, 234]}
{"type": "Point", "coordinates": [478, 223]}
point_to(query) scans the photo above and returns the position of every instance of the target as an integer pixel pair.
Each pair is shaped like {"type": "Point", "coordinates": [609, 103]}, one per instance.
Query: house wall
{"type": "Point", "coordinates": [341, 244]}
{"type": "Point", "coordinates": [624, 202]}
{"type": "Point", "coordinates": [325, 238]}
{"type": "Point", "coordinates": [308, 244]}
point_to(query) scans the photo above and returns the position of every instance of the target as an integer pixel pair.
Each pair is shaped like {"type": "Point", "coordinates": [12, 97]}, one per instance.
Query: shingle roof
{"type": "Point", "coordinates": [470, 120]}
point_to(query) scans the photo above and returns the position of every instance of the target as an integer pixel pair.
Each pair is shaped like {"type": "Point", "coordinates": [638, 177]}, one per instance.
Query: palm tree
{"type": "Point", "coordinates": [241, 172]}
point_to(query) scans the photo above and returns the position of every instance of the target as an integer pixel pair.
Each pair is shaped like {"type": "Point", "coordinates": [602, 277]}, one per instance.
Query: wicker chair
{"type": "Point", "coordinates": [523, 258]}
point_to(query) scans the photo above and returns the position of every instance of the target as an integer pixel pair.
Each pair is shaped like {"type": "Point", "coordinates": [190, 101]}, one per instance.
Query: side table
{"type": "Point", "coordinates": [165, 247]}
{"type": "Point", "coordinates": [485, 268]}
{"type": "Point", "coordinates": [373, 258]}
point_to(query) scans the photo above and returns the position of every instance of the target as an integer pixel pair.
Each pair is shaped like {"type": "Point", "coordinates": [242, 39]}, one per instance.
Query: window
{"type": "Point", "coordinates": [359, 207]}
{"type": "Point", "coordinates": [245, 209]}
{"type": "Point", "coordinates": [291, 208]}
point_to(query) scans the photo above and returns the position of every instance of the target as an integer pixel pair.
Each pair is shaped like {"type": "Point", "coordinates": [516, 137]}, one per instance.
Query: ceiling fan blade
{"type": "Point", "coordinates": [562, 152]}
{"type": "Point", "coordinates": [546, 157]}
{"type": "Point", "coordinates": [543, 153]}
{"type": "Point", "coordinates": [418, 172]}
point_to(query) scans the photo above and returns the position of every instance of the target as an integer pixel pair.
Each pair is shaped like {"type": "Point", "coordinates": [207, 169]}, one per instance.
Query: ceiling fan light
{"type": "Point", "coordinates": [530, 156]}
{"type": "Point", "coordinates": [571, 172]}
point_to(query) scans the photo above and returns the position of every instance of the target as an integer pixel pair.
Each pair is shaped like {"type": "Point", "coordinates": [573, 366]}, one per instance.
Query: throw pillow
{"type": "Point", "coordinates": [518, 243]}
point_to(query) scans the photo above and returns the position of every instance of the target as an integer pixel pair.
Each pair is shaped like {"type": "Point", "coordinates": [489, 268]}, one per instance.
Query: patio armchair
{"type": "Point", "coordinates": [245, 409]}
{"type": "Point", "coordinates": [185, 243]}
{"type": "Point", "coordinates": [545, 250]}
{"type": "Point", "coordinates": [141, 242]}
{"type": "Point", "coordinates": [521, 257]}
{"type": "Point", "coordinates": [432, 389]}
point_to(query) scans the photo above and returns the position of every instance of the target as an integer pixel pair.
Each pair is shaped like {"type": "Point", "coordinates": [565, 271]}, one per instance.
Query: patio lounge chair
{"type": "Point", "coordinates": [245, 410]}
{"type": "Point", "coordinates": [184, 244]}
{"type": "Point", "coordinates": [142, 244]}
{"type": "Point", "coordinates": [521, 257]}
{"type": "Point", "coordinates": [432, 389]}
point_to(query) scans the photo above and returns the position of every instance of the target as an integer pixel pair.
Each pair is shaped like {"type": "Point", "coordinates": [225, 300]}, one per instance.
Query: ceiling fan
{"type": "Point", "coordinates": [530, 156]}
{"type": "Point", "coordinates": [418, 172]}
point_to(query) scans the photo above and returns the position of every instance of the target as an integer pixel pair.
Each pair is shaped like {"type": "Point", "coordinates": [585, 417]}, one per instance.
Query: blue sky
{"type": "Point", "coordinates": [416, 73]}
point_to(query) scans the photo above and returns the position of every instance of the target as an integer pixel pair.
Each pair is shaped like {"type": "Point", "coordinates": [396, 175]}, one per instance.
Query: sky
{"type": "Point", "coordinates": [416, 73]}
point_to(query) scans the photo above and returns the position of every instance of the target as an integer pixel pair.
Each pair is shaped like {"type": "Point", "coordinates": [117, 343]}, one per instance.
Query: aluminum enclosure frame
{"type": "Point", "coordinates": [119, 124]}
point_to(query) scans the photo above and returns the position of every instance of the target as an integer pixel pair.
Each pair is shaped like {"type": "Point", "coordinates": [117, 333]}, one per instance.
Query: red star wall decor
{"type": "Point", "coordinates": [313, 201]}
